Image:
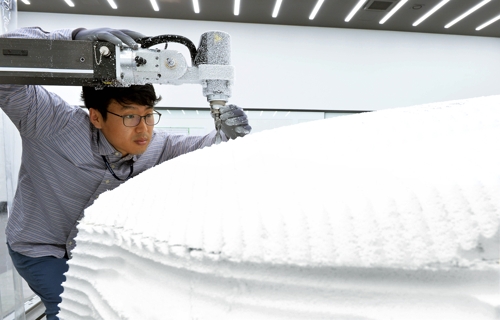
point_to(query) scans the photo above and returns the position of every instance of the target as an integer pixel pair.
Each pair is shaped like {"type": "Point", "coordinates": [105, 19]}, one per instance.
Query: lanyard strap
{"type": "Point", "coordinates": [113, 173]}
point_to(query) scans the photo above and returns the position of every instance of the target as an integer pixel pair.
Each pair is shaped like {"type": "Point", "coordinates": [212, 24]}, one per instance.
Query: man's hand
{"type": "Point", "coordinates": [116, 37]}
{"type": "Point", "coordinates": [234, 122]}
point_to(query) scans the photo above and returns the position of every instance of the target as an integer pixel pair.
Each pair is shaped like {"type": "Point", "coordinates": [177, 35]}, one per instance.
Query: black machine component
{"type": "Point", "coordinates": [56, 62]}
{"type": "Point", "coordinates": [166, 38]}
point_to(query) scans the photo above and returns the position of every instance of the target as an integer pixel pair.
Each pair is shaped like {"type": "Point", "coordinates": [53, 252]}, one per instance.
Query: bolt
{"type": "Point", "coordinates": [82, 59]}
{"type": "Point", "coordinates": [170, 63]}
{"type": "Point", "coordinates": [105, 51]}
{"type": "Point", "coordinates": [140, 61]}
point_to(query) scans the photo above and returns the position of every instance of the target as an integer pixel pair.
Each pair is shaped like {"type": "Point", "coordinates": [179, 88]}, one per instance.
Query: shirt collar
{"type": "Point", "coordinates": [106, 149]}
{"type": "Point", "coordinates": [103, 145]}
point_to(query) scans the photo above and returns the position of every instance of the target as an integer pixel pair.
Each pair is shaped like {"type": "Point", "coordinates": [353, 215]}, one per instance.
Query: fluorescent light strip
{"type": "Point", "coordinates": [112, 4]}
{"type": "Point", "coordinates": [277, 8]}
{"type": "Point", "coordinates": [196, 6]}
{"type": "Point", "coordinates": [25, 1]}
{"type": "Point", "coordinates": [354, 10]}
{"type": "Point", "coordinates": [484, 25]}
{"type": "Point", "coordinates": [155, 5]}
{"type": "Point", "coordinates": [393, 11]}
{"type": "Point", "coordinates": [428, 14]}
{"type": "Point", "coordinates": [316, 9]}
{"type": "Point", "coordinates": [49, 70]}
{"type": "Point", "coordinates": [69, 3]}
{"type": "Point", "coordinates": [467, 13]}
{"type": "Point", "coordinates": [236, 7]}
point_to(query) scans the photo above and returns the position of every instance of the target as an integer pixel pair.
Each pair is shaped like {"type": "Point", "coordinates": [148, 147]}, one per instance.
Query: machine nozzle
{"type": "Point", "coordinates": [215, 106]}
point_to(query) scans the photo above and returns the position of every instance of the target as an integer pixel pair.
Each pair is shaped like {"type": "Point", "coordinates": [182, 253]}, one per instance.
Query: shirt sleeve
{"type": "Point", "coordinates": [38, 33]}
{"type": "Point", "coordinates": [176, 145]}
{"type": "Point", "coordinates": [33, 110]}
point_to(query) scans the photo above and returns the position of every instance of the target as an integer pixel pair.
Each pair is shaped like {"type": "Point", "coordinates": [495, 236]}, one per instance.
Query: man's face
{"type": "Point", "coordinates": [127, 140]}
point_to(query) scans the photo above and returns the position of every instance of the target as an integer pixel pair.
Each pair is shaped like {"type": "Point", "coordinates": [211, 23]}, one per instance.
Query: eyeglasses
{"type": "Point", "coordinates": [133, 120]}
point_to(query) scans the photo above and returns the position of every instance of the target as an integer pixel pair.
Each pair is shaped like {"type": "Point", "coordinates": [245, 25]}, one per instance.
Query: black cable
{"type": "Point", "coordinates": [113, 173]}
{"type": "Point", "coordinates": [166, 38]}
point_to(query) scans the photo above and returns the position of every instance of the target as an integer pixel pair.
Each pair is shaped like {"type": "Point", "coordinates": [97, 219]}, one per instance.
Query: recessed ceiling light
{"type": "Point", "coordinates": [277, 8]}
{"type": "Point", "coordinates": [196, 6]}
{"type": "Point", "coordinates": [471, 10]}
{"type": "Point", "coordinates": [393, 11]}
{"type": "Point", "coordinates": [112, 4]}
{"type": "Point", "coordinates": [69, 3]}
{"type": "Point", "coordinates": [354, 10]}
{"type": "Point", "coordinates": [236, 7]}
{"type": "Point", "coordinates": [428, 14]}
{"type": "Point", "coordinates": [316, 9]}
{"type": "Point", "coordinates": [484, 25]}
{"type": "Point", "coordinates": [155, 5]}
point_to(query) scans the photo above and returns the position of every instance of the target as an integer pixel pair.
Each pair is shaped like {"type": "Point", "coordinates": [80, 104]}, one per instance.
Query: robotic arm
{"type": "Point", "coordinates": [100, 63]}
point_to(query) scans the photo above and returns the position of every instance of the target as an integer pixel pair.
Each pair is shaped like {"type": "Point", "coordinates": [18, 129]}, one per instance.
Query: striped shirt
{"type": "Point", "coordinates": [62, 171]}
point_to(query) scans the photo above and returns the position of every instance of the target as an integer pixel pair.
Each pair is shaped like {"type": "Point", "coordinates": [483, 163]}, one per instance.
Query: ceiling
{"type": "Point", "coordinates": [296, 12]}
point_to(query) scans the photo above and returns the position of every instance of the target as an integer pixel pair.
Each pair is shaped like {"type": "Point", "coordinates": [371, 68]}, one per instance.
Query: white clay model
{"type": "Point", "coordinates": [391, 214]}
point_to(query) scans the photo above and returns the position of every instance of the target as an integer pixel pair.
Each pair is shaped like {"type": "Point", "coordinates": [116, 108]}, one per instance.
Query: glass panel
{"type": "Point", "coordinates": [185, 122]}
{"type": "Point", "coordinates": [14, 291]}
{"type": "Point", "coordinates": [199, 122]}
{"type": "Point", "coordinates": [261, 120]}
{"type": "Point", "coordinates": [332, 114]}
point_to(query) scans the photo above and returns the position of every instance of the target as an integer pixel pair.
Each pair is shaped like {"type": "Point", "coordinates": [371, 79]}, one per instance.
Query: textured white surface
{"type": "Point", "coordinates": [385, 215]}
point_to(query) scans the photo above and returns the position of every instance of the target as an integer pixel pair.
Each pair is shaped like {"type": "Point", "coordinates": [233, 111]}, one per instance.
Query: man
{"type": "Point", "coordinates": [71, 156]}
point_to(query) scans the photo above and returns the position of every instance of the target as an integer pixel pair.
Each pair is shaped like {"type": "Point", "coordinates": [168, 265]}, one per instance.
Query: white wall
{"type": "Point", "coordinates": [286, 67]}
{"type": "Point", "coordinates": [3, 187]}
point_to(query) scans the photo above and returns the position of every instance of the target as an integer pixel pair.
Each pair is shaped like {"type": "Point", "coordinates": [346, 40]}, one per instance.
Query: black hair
{"type": "Point", "coordinates": [100, 98]}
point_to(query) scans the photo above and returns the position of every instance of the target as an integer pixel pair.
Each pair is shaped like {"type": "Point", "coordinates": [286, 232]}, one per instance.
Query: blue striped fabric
{"type": "Point", "coordinates": [62, 171]}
